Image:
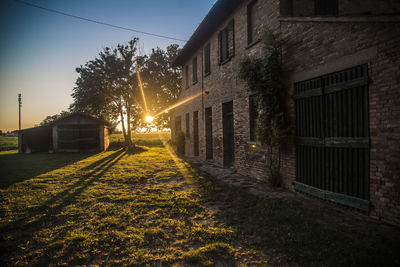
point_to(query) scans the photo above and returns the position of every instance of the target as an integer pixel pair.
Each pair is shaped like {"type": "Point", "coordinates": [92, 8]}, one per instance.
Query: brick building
{"type": "Point", "coordinates": [342, 63]}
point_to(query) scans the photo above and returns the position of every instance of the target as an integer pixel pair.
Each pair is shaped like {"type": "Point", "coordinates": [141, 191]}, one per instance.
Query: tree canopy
{"type": "Point", "coordinates": [161, 81]}
{"type": "Point", "coordinates": [52, 118]}
{"type": "Point", "coordinates": [108, 86]}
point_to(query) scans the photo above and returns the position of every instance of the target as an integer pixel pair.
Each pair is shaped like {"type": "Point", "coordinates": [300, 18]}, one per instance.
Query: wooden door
{"type": "Point", "coordinates": [196, 133]}
{"type": "Point", "coordinates": [228, 133]}
{"type": "Point", "coordinates": [209, 136]}
{"type": "Point", "coordinates": [332, 137]}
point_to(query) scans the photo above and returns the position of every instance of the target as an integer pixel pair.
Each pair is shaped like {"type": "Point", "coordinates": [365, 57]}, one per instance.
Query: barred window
{"type": "Point", "coordinates": [252, 22]}
{"type": "Point", "coordinates": [226, 42]}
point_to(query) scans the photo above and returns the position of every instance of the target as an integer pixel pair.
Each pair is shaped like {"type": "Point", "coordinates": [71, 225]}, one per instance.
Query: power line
{"type": "Point", "coordinates": [98, 22]}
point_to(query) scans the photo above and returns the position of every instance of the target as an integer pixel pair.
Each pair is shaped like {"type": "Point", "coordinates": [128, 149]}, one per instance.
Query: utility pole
{"type": "Point", "coordinates": [19, 107]}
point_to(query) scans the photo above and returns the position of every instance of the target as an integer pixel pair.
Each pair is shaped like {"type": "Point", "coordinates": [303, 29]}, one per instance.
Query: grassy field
{"type": "Point", "coordinates": [11, 143]}
{"type": "Point", "coordinates": [8, 143]}
{"type": "Point", "coordinates": [147, 139]}
{"type": "Point", "coordinates": [146, 208]}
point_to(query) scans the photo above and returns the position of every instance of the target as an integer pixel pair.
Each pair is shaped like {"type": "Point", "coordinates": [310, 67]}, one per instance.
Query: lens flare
{"type": "Point", "coordinates": [141, 88]}
{"type": "Point", "coordinates": [179, 103]}
{"type": "Point", "coordinates": [149, 119]}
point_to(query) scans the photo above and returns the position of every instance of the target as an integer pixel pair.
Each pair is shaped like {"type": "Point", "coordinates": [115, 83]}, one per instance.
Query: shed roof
{"type": "Point", "coordinates": [82, 114]}
{"type": "Point", "coordinates": [220, 11]}
{"type": "Point", "coordinates": [100, 121]}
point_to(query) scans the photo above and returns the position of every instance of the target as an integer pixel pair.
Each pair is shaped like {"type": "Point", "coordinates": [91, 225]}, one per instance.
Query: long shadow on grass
{"type": "Point", "coordinates": [52, 208]}
{"type": "Point", "coordinates": [291, 231]}
{"type": "Point", "coordinates": [62, 199]}
{"type": "Point", "coordinates": [15, 167]}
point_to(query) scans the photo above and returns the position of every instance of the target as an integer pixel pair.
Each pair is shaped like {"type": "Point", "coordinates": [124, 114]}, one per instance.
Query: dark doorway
{"type": "Point", "coordinates": [196, 133]}
{"type": "Point", "coordinates": [228, 133]}
{"type": "Point", "coordinates": [178, 125]}
{"type": "Point", "coordinates": [37, 139]}
{"type": "Point", "coordinates": [209, 141]}
{"type": "Point", "coordinates": [78, 137]}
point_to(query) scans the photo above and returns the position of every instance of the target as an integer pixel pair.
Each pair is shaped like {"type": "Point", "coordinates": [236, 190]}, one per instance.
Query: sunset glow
{"type": "Point", "coordinates": [149, 119]}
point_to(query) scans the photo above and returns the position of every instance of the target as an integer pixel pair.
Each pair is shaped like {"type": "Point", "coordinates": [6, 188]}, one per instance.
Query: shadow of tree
{"type": "Point", "coordinates": [67, 195]}
{"type": "Point", "coordinates": [15, 167]}
{"type": "Point", "coordinates": [52, 208]}
{"type": "Point", "coordinates": [103, 160]}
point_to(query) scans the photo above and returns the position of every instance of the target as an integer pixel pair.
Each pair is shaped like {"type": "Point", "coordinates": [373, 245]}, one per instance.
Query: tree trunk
{"type": "Point", "coordinates": [128, 121]}
{"type": "Point", "coordinates": [123, 125]}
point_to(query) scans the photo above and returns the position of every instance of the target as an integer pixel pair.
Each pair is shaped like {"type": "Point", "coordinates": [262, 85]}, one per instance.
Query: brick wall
{"type": "Point", "coordinates": [223, 86]}
{"type": "Point", "coordinates": [320, 48]}
{"type": "Point", "coordinates": [312, 49]}
{"type": "Point", "coordinates": [305, 8]}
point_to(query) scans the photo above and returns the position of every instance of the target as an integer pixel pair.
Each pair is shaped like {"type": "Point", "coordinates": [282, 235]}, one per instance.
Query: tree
{"type": "Point", "coordinates": [264, 77]}
{"type": "Point", "coordinates": [162, 82]}
{"type": "Point", "coordinates": [50, 119]}
{"type": "Point", "coordinates": [107, 87]}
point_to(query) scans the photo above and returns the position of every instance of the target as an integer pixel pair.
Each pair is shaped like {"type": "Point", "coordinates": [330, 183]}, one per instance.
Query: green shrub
{"type": "Point", "coordinates": [274, 177]}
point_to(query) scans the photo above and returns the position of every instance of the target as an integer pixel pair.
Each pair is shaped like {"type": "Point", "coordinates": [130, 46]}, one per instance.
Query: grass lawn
{"type": "Point", "coordinates": [8, 143]}
{"type": "Point", "coordinates": [149, 207]}
{"type": "Point", "coordinates": [149, 139]}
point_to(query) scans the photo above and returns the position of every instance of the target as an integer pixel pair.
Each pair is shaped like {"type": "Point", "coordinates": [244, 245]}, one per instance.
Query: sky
{"type": "Point", "coordinates": [40, 50]}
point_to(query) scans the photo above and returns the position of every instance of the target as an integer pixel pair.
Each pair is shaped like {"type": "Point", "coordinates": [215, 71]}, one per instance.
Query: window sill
{"type": "Point", "coordinates": [225, 61]}
{"type": "Point", "coordinates": [342, 19]}
{"type": "Point", "coordinates": [207, 74]}
{"type": "Point", "coordinates": [252, 44]}
{"type": "Point", "coordinates": [194, 82]}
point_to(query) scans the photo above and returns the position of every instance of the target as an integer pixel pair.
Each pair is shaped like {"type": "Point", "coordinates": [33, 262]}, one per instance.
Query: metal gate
{"type": "Point", "coordinates": [332, 137]}
{"type": "Point", "coordinates": [78, 137]}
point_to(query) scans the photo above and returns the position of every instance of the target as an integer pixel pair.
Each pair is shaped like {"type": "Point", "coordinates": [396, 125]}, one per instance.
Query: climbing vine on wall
{"type": "Point", "coordinates": [264, 78]}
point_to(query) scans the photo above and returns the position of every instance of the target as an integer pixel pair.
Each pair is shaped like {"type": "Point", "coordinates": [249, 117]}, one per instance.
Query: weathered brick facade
{"type": "Point", "coordinates": [314, 46]}
{"type": "Point", "coordinates": [342, 45]}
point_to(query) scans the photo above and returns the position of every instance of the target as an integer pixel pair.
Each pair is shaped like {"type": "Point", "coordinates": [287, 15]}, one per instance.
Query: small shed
{"type": "Point", "coordinates": [78, 132]}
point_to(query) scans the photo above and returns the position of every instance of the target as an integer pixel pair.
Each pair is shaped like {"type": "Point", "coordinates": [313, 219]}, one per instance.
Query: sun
{"type": "Point", "coordinates": [149, 119]}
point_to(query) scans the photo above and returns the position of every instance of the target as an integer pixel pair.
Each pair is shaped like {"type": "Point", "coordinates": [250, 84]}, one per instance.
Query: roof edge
{"type": "Point", "coordinates": [219, 12]}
